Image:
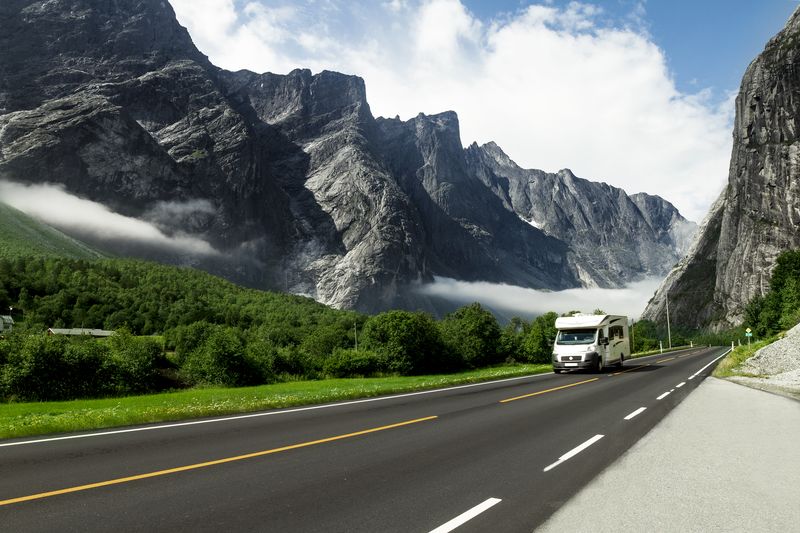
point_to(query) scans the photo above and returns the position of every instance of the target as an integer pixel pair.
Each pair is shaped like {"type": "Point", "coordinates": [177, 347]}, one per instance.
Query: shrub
{"type": "Point", "coordinates": [346, 363]}
{"type": "Point", "coordinates": [219, 360]}
{"type": "Point", "coordinates": [34, 372]}
{"type": "Point", "coordinates": [410, 343]}
{"type": "Point", "coordinates": [472, 333]}
{"type": "Point", "coordinates": [137, 361]}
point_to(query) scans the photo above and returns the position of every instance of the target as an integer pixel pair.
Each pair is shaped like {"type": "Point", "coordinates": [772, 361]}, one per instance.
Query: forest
{"type": "Point", "coordinates": [179, 327]}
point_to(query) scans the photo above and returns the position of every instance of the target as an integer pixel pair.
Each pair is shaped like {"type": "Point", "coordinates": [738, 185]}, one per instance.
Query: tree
{"type": "Point", "coordinates": [472, 333]}
{"type": "Point", "coordinates": [409, 342]}
{"type": "Point", "coordinates": [538, 343]}
{"type": "Point", "coordinates": [220, 360]}
{"type": "Point", "coordinates": [511, 339]}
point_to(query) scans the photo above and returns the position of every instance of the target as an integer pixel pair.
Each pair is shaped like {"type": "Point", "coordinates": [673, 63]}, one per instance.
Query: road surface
{"type": "Point", "coordinates": [501, 456]}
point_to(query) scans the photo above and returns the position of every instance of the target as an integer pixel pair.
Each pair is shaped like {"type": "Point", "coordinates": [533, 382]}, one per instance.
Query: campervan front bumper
{"type": "Point", "coordinates": [572, 362]}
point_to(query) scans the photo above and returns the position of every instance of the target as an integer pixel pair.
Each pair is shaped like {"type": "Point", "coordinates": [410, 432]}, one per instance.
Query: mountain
{"type": "Point", "coordinates": [22, 235]}
{"type": "Point", "coordinates": [758, 213]}
{"type": "Point", "coordinates": [613, 238]}
{"type": "Point", "coordinates": [289, 178]}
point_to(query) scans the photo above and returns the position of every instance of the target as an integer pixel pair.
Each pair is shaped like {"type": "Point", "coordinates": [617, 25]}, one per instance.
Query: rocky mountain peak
{"type": "Point", "coordinates": [758, 212]}
{"type": "Point", "coordinates": [289, 178]}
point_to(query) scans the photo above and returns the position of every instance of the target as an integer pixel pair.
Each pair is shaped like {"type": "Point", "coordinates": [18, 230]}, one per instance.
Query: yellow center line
{"type": "Point", "coordinates": [548, 390]}
{"type": "Point", "coordinates": [665, 360]}
{"type": "Point", "coordinates": [208, 463]}
{"type": "Point", "coordinates": [631, 369]}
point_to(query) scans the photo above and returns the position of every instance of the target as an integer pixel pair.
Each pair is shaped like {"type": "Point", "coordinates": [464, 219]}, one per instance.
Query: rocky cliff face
{"type": "Point", "coordinates": [613, 238]}
{"type": "Point", "coordinates": [758, 214]}
{"type": "Point", "coordinates": [290, 177]}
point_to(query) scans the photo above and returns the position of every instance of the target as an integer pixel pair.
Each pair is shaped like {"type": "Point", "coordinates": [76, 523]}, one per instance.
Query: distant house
{"type": "Point", "coordinates": [97, 333]}
{"type": "Point", "coordinates": [6, 323]}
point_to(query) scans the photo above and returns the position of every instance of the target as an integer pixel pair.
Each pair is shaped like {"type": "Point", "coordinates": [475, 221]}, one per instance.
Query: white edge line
{"type": "Point", "coordinates": [711, 363]}
{"type": "Point", "coordinates": [466, 516]}
{"type": "Point", "coordinates": [664, 395]}
{"type": "Point", "coordinates": [266, 413]}
{"type": "Point", "coordinates": [573, 452]}
{"type": "Point", "coordinates": [636, 412]}
{"type": "Point", "coordinates": [681, 384]}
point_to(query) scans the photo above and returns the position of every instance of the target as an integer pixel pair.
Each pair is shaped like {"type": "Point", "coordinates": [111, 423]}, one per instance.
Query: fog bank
{"type": "Point", "coordinates": [512, 300]}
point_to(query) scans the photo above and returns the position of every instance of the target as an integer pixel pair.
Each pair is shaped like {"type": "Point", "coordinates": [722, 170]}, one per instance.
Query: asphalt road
{"type": "Point", "coordinates": [501, 456]}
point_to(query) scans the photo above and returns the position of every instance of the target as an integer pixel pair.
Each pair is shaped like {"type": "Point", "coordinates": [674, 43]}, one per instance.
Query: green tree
{"type": "Point", "coordinates": [473, 334]}
{"type": "Point", "coordinates": [409, 342]}
{"type": "Point", "coordinates": [538, 343]}
{"type": "Point", "coordinates": [219, 360]}
{"type": "Point", "coordinates": [512, 337]}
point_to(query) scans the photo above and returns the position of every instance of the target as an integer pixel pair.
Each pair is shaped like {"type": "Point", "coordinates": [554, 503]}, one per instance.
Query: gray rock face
{"type": "Point", "coordinates": [613, 238]}
{"type": "Point", "coordinates": [758, 214]}
{"type": "Point", "coordinates": [290, 176]}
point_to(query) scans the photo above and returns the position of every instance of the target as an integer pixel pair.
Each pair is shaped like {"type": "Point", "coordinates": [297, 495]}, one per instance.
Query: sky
{"type": "Point", "coordinates": [638, 94]}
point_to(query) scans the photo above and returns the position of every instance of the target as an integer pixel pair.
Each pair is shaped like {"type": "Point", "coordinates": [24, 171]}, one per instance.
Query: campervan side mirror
{"type": "Point", "coordinates": [603, 341]}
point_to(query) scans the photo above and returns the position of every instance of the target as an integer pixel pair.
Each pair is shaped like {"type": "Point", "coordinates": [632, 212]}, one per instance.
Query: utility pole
{"type": "Point", "coordinates": [669, 333]}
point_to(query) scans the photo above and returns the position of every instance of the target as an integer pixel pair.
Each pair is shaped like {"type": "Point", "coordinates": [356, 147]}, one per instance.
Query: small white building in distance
{"type": "Point", "coordinates": [6, 323]}
{"type": "Point", "coordinates": [97, 333]}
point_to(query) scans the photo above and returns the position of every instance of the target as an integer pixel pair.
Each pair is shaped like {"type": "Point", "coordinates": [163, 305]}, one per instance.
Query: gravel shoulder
{"type": "Point", "coordinates": [778, 364]}
{"type": "Point", "coordinates": [725, 459]}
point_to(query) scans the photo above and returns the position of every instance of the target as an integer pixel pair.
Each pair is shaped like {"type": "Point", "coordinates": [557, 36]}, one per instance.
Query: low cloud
{"type": "Point", "coordinates": [512, 300]}
{"type": "Point", "coordinates": [53, 205]}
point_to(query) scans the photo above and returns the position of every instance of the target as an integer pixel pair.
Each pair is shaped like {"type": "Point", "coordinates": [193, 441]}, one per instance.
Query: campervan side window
{"type": "Point", "coordinates": [616, 332]}
{"type": "Point", "coordinates": [576, 336]}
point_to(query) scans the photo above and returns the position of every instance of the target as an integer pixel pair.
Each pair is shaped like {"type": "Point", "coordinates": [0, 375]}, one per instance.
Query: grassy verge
{"type": "Point", "coordinates": [729, 366]}
{"type": "Point", "coordinates": [27, 419]}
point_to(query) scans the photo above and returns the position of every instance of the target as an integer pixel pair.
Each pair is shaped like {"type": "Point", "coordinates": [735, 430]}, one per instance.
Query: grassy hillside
{"type": "Point", "coordinates": [21, 235]}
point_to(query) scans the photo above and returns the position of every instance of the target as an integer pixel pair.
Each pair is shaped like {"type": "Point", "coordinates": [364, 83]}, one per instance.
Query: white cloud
{"type": "Point", "coordinates": [54, 206]}
{"type": "Point", "coordinates": [555, 87]}
{"type": "Point", "coordinates": [629, 301]}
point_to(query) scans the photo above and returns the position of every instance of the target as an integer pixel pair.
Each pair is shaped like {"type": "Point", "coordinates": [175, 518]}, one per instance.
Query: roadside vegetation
{"type": "Point", "coordinates": [767, 315]}
{"type": "Point", "coordinates": [730, 364]}
{"type": "Point", "coordinates": [214, 333]}
{"type": "Point", "coordinates": [26, 419]}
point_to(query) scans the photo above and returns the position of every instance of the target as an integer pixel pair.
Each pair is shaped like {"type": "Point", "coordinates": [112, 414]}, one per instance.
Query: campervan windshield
{"type": "Point", "coordinates": [576, 336]}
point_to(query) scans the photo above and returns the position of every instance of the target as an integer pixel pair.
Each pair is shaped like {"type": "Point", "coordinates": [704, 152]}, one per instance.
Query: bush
{"type": "Point", "coordinates": [409, 342]}
{"type": "Point", "coordinates": [261, 355]}
{"type": "Point", "coordinates": [35, 371]}
{"type": "Point", "coordinates": [538, 343]}
{"type": "Point", "coordinates": [291, 362]}
{"type": "Point", "coordinates": [472, 333]}
{"type": "Point", "coordinates": [137, 361]}
{"type": "Point", "coordinates": [219, 360]}
{"type": "Point", "coordinates": [348, 363]}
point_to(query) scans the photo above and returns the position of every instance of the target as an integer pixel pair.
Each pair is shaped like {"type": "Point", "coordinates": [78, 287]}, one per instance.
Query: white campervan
{"type": "Point", "coordinates": [590, 341]}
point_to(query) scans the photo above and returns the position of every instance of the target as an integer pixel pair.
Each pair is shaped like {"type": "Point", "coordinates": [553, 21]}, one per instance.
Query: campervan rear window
{"type": "Point", "coordinates": [576, 336]}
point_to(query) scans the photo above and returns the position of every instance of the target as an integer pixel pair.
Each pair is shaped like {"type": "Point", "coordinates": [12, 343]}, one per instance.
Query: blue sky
{"type": "Point", "coordinates": [637, 94]}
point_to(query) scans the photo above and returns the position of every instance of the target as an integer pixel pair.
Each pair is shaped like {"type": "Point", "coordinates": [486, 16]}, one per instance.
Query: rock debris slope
{"type": "Point", "coordinates": [758, 213]}
{"type": "Point", "coordinates": [289, 177]}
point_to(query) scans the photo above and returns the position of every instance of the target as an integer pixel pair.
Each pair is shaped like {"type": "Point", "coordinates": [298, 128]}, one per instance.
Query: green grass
{"type": "Point", "coordinates": [22, 235]}
{"type": "Point", "coordinates": [730, 365]}
{"type": "Point", "coordinates": [28, 419]}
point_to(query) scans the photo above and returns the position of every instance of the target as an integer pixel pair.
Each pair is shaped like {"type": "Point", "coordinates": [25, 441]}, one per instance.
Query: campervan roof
{"type": "Point", "coordinates": [580, 321]}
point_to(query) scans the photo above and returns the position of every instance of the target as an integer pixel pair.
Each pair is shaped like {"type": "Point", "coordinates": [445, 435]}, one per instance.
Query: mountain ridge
{"type": "Point", "coordinates": [308, 192]}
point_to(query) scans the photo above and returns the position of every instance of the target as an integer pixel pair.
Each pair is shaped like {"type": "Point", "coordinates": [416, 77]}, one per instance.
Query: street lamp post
{"type": "Point", "coordinates": [669, 332]}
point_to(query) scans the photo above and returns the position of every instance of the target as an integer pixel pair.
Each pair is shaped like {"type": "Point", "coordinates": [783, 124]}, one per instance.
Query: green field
{"type": "Point", "coordinates": [21, 235]}
{"type": "Point", "coordinates": [39, 418]}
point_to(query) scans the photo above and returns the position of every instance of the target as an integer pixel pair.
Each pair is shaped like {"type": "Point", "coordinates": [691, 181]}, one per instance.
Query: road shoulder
{"type": "Point", "coordinates": [722, 460]}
